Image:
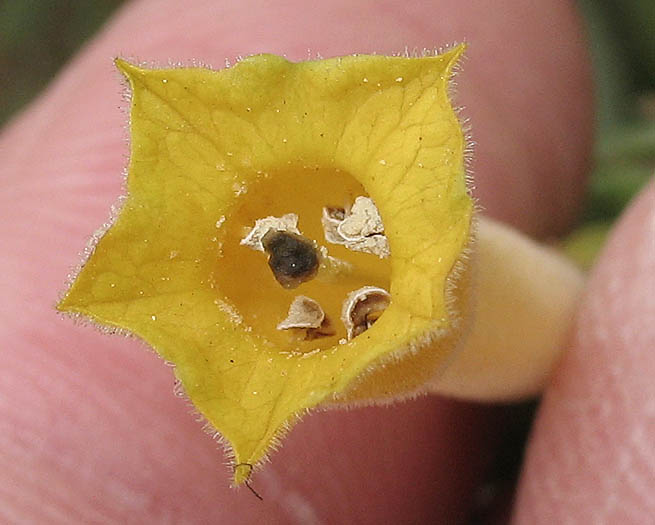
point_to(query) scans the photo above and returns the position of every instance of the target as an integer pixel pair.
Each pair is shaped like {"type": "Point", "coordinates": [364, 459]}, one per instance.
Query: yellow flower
{"type": "Point", "coordinates": [213, 153]}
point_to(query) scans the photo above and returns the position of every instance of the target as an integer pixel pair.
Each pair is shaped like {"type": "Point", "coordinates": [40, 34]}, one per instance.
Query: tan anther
{"type": "Point", "coordinates": [358, 229]}
{"type": "Point", "coordinates": [362, 308]}
{"type": "Point", "coordinates": [307, 315]}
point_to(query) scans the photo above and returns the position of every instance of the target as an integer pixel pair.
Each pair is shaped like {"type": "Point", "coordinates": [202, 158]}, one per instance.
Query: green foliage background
{"type": "Point", "coordinates": [37, 37]}
{"type": "Point", "coordinates": [622, 44]}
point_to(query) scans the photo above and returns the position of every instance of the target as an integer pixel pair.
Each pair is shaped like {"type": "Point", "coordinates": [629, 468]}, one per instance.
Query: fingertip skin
{"type": "Point", "coordinates": [592, 453]}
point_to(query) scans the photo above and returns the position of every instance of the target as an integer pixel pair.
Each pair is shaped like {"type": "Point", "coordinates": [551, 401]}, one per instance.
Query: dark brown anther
{"type": "Point", "coordinates": [293, 258]}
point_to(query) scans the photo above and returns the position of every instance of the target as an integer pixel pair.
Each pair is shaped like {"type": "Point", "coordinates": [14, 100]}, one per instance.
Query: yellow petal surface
{"type": "Point", "coordinates": [212, 151]}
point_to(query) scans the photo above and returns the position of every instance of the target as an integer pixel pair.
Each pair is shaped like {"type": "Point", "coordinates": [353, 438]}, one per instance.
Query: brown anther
{"type": "Point", "coordinates": [294, 259]}
{"type": "Point", "coordinates": [307, 315]}
{"type": "Point", "coordinates": [362, 308]}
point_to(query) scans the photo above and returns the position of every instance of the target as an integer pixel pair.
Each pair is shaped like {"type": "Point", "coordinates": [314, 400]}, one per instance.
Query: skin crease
{"type": "Point", "coordinates": [89, 431]}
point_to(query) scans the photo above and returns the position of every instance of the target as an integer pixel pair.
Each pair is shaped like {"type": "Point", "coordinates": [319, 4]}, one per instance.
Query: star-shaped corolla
{"type": "Point", "coordinates": [212, 153]}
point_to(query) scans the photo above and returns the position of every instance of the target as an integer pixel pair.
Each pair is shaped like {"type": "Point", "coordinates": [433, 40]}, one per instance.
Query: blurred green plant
{"type": "Point", "coordinates": [622, 44]}
{"type": "Point", "coordinates": [36, 38]}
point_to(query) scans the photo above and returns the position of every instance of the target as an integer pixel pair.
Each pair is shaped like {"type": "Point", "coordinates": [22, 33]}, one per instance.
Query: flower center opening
{"type": "Point", "coordinates": [245, 279]}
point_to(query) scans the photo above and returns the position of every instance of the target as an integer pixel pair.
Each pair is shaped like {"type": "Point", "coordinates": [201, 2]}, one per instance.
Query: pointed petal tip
{"type": "Point", "coordinates": [125, 67]}
{"type": "Point", "coordinates": [456, 52]}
